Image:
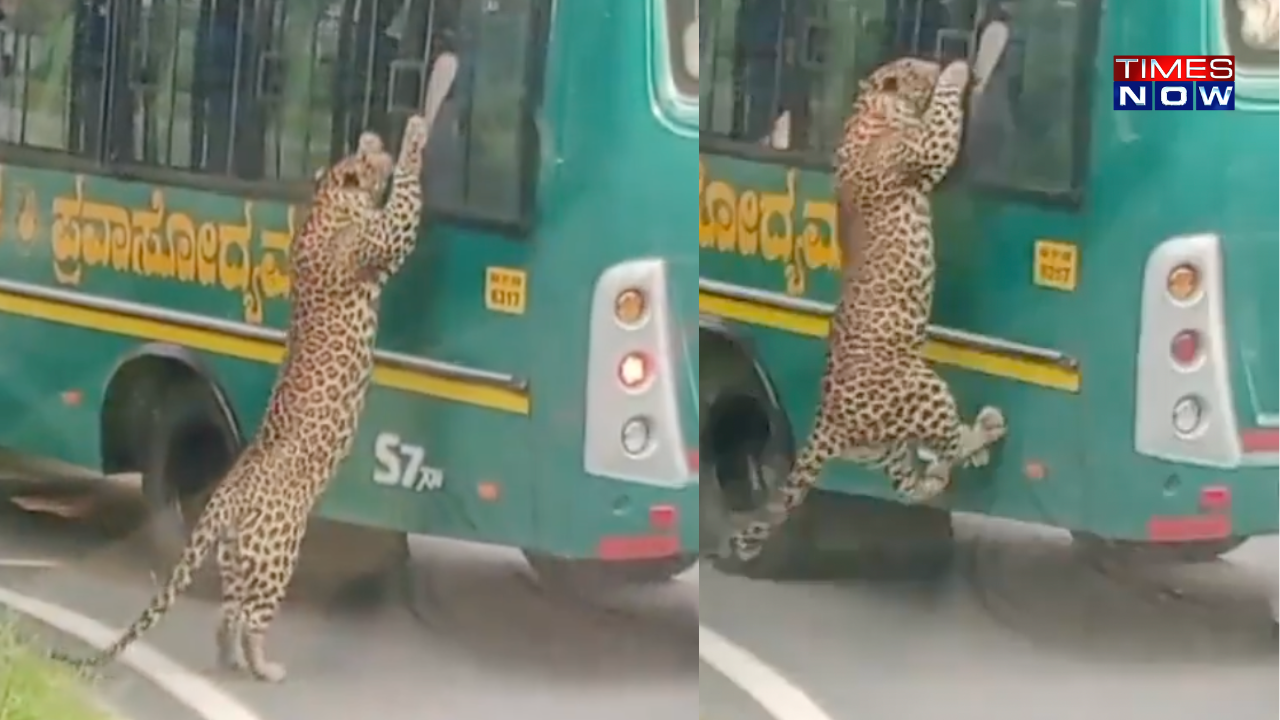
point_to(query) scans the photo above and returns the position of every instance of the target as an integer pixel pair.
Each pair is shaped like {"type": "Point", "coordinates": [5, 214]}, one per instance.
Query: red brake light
{"type": "Point", "coordinates": [1185, 347]}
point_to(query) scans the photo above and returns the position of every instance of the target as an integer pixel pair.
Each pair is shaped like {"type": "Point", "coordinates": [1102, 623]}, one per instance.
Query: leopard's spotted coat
{"type": "Point", "coordinates": [880, 400]}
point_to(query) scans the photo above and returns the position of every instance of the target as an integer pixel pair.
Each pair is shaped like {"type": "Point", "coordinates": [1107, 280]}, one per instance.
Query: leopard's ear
{"type": "Point", "coordinates": [320, 171]}
{"type": "Point", "coordinates": [889, 84]}
{"type": "Point", "coordinates": [864, 86]}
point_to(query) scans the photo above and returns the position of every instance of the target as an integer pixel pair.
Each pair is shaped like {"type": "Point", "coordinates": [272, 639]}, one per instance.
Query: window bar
{"type": "Point", "coordinates": [172, 111]}
{"type": "Point", "coordinates": [374, 20]}
{"type": "Point", "coordinates": [201, 102]}
{"type": "Point", "coordinates": [25, 102]}
{"type": "Point", "coordinates": [780, 61]}
{"type": "Point", "coordinates": [273, 64]}
{"type": "Point", "coordinates": [237, 70]}
{"type": "Point", "coordinates": [313, 68]}
{"type": "Point", "coordinates": [428, 56]}
{"type": "Point", "coordinates": [473, 68]}
{"type": "Point", "coordinates": [917, 26]}
{"type": "Point", "coordinates": [145, 83]}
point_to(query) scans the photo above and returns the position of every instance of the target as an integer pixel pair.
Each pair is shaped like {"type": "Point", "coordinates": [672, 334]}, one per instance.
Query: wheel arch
{"type": "Point", "coordinates": [138, 383]}
{"type": "Point", "coordinates": [725, 347]}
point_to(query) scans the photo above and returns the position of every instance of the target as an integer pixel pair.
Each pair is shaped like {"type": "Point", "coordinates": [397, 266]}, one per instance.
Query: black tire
{"type": "Point", "coordinates": [1095, 547]}
{"type": "Point", "coordinates": [187, 451]}
{"type": "Point", "coordinates": [743, 463]}
{"type": "Point", "coordinates": [586, 575]}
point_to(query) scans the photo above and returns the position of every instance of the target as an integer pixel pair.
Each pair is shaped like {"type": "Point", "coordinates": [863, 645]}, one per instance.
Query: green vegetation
{"type": "Point", "coordinates": [32, 688]}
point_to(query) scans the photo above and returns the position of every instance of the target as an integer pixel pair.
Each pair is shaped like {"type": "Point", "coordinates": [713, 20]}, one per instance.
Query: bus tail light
{"type": "Point", "coordinates": [1187, 415]}
{"type": "Point", "coordinates": [630, 307]}
{"type": "Point", "coordinates": [636, 434]}
{"type": "Point", "coordinates": [634, 370]}
{"type": "Point", "coordinates": [1184, 283]}
{"type": "Point", "coordinates": [1185, 348]}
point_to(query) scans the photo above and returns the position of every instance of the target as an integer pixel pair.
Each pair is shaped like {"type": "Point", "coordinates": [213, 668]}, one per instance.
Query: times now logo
{"type": "Point", "coordinates": [1174, 82]}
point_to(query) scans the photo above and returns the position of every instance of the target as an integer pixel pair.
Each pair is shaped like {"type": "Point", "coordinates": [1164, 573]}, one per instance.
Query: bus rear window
{"type": "Point", "coordinates": [682, 34]}
{"type": "Point", "coordinates": [1252, 32]}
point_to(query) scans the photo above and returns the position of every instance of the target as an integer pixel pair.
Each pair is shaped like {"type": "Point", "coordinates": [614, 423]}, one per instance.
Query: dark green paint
{"type": "Point", "coordinates": [605, 195]}
{"type": "Point", "coordinates": [1150, 176]}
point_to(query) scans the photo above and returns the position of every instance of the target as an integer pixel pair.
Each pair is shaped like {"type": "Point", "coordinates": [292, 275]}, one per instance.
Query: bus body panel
{"type": "Point", "coordinates": [1058, 274]}
{"type": "Point", "coordinates": [473, 428]}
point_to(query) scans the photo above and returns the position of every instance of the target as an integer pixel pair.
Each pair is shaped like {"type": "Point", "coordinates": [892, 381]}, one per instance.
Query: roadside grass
{"type": "Point", "coordinates": [34, 688]}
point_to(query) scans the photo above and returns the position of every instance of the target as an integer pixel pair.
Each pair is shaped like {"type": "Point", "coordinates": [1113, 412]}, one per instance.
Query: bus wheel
{"type": "Point", "coordinates": [746, 446]}
{"type": "Point", "coordinates": [1095, 547]}
{"type": "Point", "coordinates": [578, 575]}
{"type": "Point", "coordinates": [746, 455]}
{"type": "Point", "coordinates": [186, 454]}
{"type": "Point", "coordinates": [788, 554]}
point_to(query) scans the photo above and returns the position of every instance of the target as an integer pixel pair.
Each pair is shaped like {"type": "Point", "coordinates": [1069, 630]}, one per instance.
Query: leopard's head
{"type": "Point", "coordinates": [359, 178]}
{"type": "Point", "coordinates": [903, 85]}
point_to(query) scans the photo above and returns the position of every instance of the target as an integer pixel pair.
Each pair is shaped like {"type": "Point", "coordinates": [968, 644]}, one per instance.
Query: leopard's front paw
{"type": "Point", "coordinates": [990, 425]}
{"type": "Point", "coordinates": [416, 129]}
{"type": "Point", "coordinates": [955, 75]}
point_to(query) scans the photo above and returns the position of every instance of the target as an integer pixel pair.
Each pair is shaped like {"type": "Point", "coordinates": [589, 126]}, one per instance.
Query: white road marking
{"type": "Point", "coordinates": [778, 696]}
{"type": "Point", "coordinates": [28, 563]}
{"type": "Point", "coordinates": [204, 698]}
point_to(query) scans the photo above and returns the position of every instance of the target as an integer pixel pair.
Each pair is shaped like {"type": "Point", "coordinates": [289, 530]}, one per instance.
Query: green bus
{"type": "Point", "coordinates": [534, 385]}
{"type": "Point", "coordinates": [1109, 279]}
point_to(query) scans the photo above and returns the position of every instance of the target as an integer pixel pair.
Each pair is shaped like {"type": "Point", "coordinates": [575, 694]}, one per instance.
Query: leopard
{"type": "Point", "coordinates": [881, 405]}
{"type": "Point", "coordinates": [256, 517]}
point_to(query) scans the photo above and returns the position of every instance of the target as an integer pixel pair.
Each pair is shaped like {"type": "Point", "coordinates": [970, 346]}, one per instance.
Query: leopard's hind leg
{"type": "Point", "coordinates": [936, 423]}
{"type": "Point", "coordinates": [231, 617]}
{"type": "Point", "coordinates": [272, 564]}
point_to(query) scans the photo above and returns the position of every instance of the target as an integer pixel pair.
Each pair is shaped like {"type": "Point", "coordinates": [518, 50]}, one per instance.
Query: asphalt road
{"type": "Point", "coordinates": [474, 639]}
{"type": "Point", "coordinates": [1023, 629]}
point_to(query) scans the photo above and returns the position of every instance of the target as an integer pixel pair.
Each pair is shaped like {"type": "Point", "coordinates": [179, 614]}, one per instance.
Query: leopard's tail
{"type": "Point", "coordinates": [206, 534]}
{"type": "Point", "coordinates": [786, 497]}
{"type": "Point", "coordinates": [803, 476]}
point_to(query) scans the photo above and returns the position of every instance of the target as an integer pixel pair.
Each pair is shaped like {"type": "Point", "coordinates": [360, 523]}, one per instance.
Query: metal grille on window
{"type": "Point", "coordinates": [255, 89]}
{"type": "Point", "coordinates": [783, 72]}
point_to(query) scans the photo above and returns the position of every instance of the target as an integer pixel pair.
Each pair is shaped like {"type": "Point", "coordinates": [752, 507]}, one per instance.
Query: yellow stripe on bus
{"type": "Point", "coordinates": [255, 349]}
{"type": "Point", "coordinates": [1034, 372]}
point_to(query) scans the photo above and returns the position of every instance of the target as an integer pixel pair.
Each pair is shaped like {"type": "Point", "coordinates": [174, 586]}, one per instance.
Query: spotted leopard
{"type": "Point", "coordinates": [880, 401]}
{"type": "Point", "coordinates": [257, 515]}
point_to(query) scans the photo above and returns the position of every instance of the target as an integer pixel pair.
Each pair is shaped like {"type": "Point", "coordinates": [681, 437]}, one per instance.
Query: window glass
{"type": "Point", "coordinates": [1253, 32]}
{"type": "Point", "coordinates": [271, 90]}
{"type": "Point", "coordinates": [782, 75]}
{"type": "Point", "coordinates": [53, 70]}
{"type": "Point", "coordinates": [1026, 126]}
{"type": "Point", "coordinates": [682, 34]}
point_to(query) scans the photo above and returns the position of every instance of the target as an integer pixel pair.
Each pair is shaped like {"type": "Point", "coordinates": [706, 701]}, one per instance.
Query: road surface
{"type": "Point", "coordinates": [479, 641]}
{"type": "Point", "coordinates": [1024, 629]}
